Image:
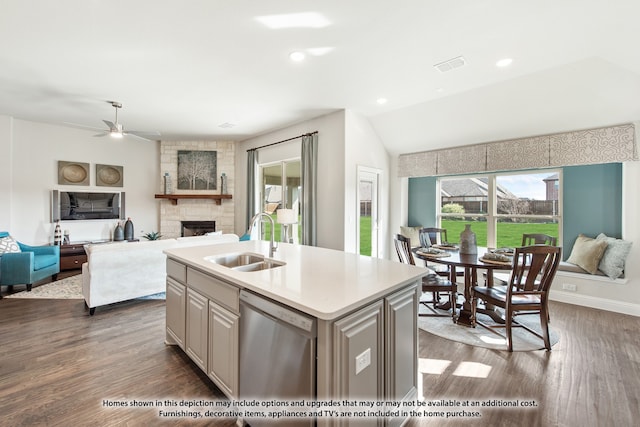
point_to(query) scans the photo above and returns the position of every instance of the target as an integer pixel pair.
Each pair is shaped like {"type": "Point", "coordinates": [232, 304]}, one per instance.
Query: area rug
{"type": "Point", "coordinates": [67, 288]}
{"type": "Point", "coordinates": [481, 337]}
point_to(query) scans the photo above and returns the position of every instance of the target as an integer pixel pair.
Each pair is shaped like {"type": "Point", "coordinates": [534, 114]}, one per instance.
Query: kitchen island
{"type": "Point", "coordinates": [358, 316]}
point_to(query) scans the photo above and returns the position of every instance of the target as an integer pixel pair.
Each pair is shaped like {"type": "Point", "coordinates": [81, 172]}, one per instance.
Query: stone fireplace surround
{"type": "Point", "coordinates": [172, 216]}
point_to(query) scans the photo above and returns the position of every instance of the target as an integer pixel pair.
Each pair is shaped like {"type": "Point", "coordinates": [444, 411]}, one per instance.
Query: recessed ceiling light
{"type": "Point", "coordinates": [227, 125]}
{"type": "Point", "coordinates": [294, 20]}
{"type": "Point", "coordinates": [296, 56]}
{"type": "Point", "coordinates": [382, 101]}
{"type": "Point", "coordinates": [504, 62]}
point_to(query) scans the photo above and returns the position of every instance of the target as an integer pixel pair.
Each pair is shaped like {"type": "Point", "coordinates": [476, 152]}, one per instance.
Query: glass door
{"type": "Point", "coordinates": [280, 189]}
{"type": "Point", "coordinates": [367, 214]}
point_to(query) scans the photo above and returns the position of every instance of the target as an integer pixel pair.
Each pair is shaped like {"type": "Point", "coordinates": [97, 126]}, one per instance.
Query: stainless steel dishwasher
{"type": "Point", "coordinates": [277, 354]}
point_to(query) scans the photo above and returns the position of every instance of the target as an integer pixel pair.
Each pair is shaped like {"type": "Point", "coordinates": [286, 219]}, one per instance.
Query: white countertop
{"type": "Point", "coordinates": [324, 283]}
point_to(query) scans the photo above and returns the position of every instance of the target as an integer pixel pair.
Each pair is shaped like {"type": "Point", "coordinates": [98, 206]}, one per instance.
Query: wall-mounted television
{"type": "Point", "coordinates": [85, 205]}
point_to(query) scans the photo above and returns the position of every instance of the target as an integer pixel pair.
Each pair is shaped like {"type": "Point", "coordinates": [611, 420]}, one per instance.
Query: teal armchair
{"type": "Point", "coordinates": [32, 264]}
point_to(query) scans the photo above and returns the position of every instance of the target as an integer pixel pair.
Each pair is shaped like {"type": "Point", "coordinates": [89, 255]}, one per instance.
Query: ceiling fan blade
{"type": "Point", "coordinates": [112, 126]}
{"type": "Point", "coordinates": [147, 136]}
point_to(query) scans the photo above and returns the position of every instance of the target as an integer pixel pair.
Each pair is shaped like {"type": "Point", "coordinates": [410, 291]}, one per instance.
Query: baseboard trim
{"type": "Point", "coordinates": [593, 302]}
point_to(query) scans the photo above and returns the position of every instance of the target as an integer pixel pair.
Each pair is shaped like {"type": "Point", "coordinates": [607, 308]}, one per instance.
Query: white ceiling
{"type": "Point", "coordinates": [185, 67]}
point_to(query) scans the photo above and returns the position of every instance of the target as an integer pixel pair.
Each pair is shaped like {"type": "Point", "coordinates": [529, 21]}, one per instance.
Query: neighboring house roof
{"type": "Point", "coordinates": [472, 187]}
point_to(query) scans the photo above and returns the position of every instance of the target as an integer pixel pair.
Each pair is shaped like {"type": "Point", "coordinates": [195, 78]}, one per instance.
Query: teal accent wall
{"type": "Point", "coordinates": [422, 202]}
{"type": "Point", "coordinates": [592, 202]}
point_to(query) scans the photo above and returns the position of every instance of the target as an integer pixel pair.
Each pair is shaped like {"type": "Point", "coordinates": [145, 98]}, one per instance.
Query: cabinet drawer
{"type": "Point", "coordinates": [177, 270]}
{"type": "Point", "coordinates": [72, 262]}
{"type": "Point", "coordinates": [216, 290]}
{"type": "Point", "coordinates": [71, 249]}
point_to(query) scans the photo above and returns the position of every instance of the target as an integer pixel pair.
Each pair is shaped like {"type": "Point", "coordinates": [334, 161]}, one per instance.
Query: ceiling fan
{"type": "Point", "coordinates": [116, 130]}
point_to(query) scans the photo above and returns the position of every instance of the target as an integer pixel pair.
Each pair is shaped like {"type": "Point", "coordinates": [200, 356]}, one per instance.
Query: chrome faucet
{"type": "Point", "coordinates": [272, 247]}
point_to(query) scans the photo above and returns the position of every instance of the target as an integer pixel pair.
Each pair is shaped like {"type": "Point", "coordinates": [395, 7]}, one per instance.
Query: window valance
{"type": "Point", "coordinates": [612, 144]}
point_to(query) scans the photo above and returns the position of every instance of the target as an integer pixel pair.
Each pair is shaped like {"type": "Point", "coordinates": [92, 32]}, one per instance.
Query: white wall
{"type": "Point", "coordinates": [621, 295]}
{"type": "Point", "coordinates": [331, 160]}
{"type": "Point", "coordinates": [30, 155]}
{"type": "Point", "coordinates": [364, 148]}
{"type": "Point", "coordinates": [6, 171]}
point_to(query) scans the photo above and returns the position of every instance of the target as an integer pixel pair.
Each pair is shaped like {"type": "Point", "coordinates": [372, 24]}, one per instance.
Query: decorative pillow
{"type": "Point", "coordinates": [412, 233]}
{"type": "Point", "coordinates": [8, 245]}
{"type": "Point", "coordinates": [587, 253]}
{"type": "Point", "coordinates": [614, 257]}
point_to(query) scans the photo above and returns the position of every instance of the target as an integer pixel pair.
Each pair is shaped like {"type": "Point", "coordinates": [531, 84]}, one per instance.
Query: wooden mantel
{"type": "Point", "coordinates": [175, 197]}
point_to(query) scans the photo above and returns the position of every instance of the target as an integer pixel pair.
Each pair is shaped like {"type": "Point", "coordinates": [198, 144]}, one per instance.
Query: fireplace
{"type": "Point", "coordinates": [197, 228]}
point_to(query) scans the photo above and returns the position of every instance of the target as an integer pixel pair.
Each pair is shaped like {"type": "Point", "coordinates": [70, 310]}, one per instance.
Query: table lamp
{"type": "Point", "coordinates": [286, 217]}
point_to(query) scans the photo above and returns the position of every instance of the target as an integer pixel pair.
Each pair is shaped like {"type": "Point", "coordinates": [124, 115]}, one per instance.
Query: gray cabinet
{"type": "Point", "coordinates": [359, 358]}
{"type": "Point", "coordinates": [373, 356]}
{"type": "Point", "coordinates": [197, 328]}
{"type": "Point", "coordinates": [401, 363]}
{"type": "Point", "coordinates": [203, 316]}
{"type": "Point", "coordinates": [176, 306]}
{"type": "Point", "coordinates": [223, 348]}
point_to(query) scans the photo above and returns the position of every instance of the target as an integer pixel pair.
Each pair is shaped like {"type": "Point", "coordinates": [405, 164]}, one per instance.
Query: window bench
{"type": "Point", "coordinates": [571, 270]}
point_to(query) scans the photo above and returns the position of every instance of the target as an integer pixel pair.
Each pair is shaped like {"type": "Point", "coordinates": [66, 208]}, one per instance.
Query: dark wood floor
{"type": "Point", "coordinates": [58, 365]}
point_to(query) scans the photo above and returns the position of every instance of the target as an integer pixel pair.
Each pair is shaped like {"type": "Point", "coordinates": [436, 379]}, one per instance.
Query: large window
{"type": "Point", "coordinates": [501, 207]}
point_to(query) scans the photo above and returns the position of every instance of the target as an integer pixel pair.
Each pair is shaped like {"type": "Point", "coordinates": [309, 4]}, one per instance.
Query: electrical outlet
{"type": "Point", "coordinates": [363, 360]}
{"type": "Point", "coordinates": [569, 287]}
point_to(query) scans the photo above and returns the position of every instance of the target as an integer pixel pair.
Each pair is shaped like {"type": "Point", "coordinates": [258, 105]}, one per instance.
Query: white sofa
{"type": "Point", "coordinates": [122, 271]}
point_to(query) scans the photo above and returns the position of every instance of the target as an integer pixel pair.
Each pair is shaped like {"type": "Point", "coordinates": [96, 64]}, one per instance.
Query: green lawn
{"type": "Point", "coordinates": [267, 228]}
{"type": "Point", "coordinates": [509, 234]}
{"type": "Point", "coordinates": [365, 235]}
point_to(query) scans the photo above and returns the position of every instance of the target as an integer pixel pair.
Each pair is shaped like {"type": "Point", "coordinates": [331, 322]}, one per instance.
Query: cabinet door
{"type": "Point", "coordinates": [401, 358]}
{"type": "Point", "coordinates": [359, 358]}
{"type": "Point", "coordinates": [197, 328]}
{"type": "Point", "coordinates": [175, 306]}
{"type": "Point", "coordinates": [223, 348]}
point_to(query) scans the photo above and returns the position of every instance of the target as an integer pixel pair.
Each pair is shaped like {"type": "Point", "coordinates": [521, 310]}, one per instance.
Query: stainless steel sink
{"type": "Point", "coordinates": [237, 260]}
{"type": "Point", "coordinates": [263, 265]}
{"type": "Point", "coordinates": [245, 262]}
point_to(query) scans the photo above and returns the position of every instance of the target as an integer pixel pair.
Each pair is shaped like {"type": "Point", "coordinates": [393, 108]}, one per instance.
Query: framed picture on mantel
{"type": "Point", "coordinates": [197, 170]}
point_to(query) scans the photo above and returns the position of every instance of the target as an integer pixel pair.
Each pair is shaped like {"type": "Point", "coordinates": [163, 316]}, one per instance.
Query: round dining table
{"type": "Point", "coordinates": [471, 263]}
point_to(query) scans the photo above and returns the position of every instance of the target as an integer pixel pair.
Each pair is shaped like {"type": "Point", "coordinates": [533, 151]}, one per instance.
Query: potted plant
{"type": "Point", "coordinates": [152, 235]}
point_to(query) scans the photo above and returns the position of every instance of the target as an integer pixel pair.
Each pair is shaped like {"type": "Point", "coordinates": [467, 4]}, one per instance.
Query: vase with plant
{"type": "Point", "coordinates": [152, 235]}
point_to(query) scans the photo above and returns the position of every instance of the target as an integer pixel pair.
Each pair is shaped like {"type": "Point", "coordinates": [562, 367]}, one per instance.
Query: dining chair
{"type": "Point", "coordinates": [431, 283]}
{"type": "Point", "coordinates": [430, 236]}
{"type": "Point", "coordinates": [538, 239]}
{"type": "Point", "coordinates": [435, 236]}
{"type": "Point", "coordinates": [526, 293]}
{"type": "Point", "coordinates": [528, 239]}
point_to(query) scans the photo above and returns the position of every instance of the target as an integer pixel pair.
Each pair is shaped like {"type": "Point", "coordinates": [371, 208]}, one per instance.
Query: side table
{"type": "Point", "coordinates": [72, 256]}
